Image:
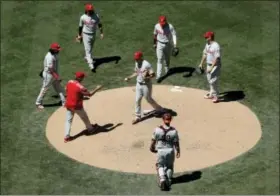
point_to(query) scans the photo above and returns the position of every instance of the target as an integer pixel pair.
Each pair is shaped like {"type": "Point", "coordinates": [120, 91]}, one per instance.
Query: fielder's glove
{"type": "Point", "coordinates": [200, 70]}
{"type": "Point", "coordinates": [153, 150]}
{"type": "Point", "coordinates": [41, 74]}
{"type": "Point", "coordinates": [79, 39]}
{"type": "Point", "coordinates": [175, 51]}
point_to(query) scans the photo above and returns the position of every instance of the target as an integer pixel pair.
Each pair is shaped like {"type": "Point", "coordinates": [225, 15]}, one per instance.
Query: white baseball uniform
{"type": "Point", "coordinates": [89, 24]}
{"type": "Point", "coordinates": [212, 51]}
{"type": "Point", "coordinates": [50, 64]}
{"type": "Point", "coordinates": [144, 87]}
{"type": "Point", "coordinates": [166, 39]}
{"type": "Point", "coordinates": [166, 138]}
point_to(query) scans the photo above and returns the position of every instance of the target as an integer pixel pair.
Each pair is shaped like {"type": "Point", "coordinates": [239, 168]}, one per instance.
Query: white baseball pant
{"type": "Point", "coordinates": [88, 40]}
{"type": "Point", "coordinates": [213, 78]}
{"type": "Point", "coordinates": [163, 56]}
{"type": "Point", "coordinates": [48, 80]}
{"type": "Point", "coordinates": [144, 90]}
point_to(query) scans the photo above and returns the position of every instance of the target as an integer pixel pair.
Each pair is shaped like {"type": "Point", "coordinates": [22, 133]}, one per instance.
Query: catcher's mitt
{"type": "Point", "coordinates": [175, 51]}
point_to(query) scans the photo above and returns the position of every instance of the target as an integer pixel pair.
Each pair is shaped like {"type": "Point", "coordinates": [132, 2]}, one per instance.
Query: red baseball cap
{"type": "Point", "coordinates": [162, 20]}
{"type": "Point", "coordinates": [80, 74]}
{"type": "Point", "coordinates": [55, 46]}
{"type": "Point", "coordinates": [208, 34]}
{"type": "Point", "coordinates": [89, 7]}
{"type": "Point", "coordinates": [138, 55]}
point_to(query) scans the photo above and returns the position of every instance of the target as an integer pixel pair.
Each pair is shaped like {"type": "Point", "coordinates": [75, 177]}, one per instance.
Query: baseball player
{"type": "Point", "coordinates": [144, 73]}
{"type": "Point", "coordinates": [164, 40]}
{"type": "Point", "coordinates": [50, 75]}
{"type": "Point", "coordinates": [211, 54]}
{"type": "Point", "coordinates": [165, 138]}
{"type": "Point", "coordinates": [75, 92]}
{"type": "Point", "coordinates": [87, 32]}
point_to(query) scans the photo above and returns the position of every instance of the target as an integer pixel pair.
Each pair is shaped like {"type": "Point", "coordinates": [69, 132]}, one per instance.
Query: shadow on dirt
{"type": "Point", "coordinates": [97, 129]}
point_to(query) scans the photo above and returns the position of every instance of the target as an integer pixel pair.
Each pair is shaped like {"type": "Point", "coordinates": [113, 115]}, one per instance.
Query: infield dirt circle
{"type": "Point", "coordinates": [210, 134]}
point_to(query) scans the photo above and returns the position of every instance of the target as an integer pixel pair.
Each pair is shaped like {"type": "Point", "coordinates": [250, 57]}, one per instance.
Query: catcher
{"type": "Point", "coordinates": [165, 138]}
{"type": "Point", "coordinates": [144, 73]}
{"type": "Point", "coordinates": [165, 42]}
{"type": "Point", "coordinates": [87, 32]}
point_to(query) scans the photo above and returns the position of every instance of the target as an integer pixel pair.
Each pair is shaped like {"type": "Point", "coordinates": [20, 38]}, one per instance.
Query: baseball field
{"type": "Point", "coordinates": [229, 148]}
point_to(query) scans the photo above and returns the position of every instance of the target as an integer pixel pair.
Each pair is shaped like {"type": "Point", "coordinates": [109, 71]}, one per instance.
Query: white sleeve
{"type": "Point", "coordinates": [81, 23]}
{"type": "Point", "coordinates": [174, 35]}
{"type": "Point", "coordinates": [155, 30]}
{"type": "Point", "coordinates": [150, 68]}
{"type": "Point", "coordinates": [49, 62]}
{"type": "Point", "coordinates": [217, 51]}
{"type": "Point", "coordinates": [204, 50]}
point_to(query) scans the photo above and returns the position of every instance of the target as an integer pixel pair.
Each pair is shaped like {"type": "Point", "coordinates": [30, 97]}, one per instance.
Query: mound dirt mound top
{"type": "Point", "coordinates": [210, 133]}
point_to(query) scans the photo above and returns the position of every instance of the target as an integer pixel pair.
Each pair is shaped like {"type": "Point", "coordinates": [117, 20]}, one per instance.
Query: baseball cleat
{"type": "Point", "coordinates": [40, 106]}
{"type": "Point", "coordinates": [215, 100]}
{"type": "Point", "coordinates": [67, 139]}
{"type": "Point", "coordinates": [137, 120]}
{"type": "Point", "coordinates": [208, 96]}
{"type": "Point", "coordinates": [163, 186]}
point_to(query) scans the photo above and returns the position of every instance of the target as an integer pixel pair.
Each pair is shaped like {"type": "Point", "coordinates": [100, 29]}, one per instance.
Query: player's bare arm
{"type": "Point", "coordinates": [100, 26]}
{"type": "Point", "coordinates": [95, 90]}
{"type": "Point", "coordinates": [153, 146]}
{"type": "Point", "coordinates": [80, 29]}
{"type": "Point", "coordinates": [174, 36]}
{"type": "Point", "coordinates": [177, 147]}
{"type": "Point", "coordinates": [131, 76]}
{"type": "Point", "coordinates": [201, 65]}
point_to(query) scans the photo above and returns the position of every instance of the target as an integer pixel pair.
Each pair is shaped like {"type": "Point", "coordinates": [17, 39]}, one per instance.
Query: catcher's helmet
{"type": "Point", "coordinates": [162, 20]}
{"type": "Point", "coordinates": [89, 7]}
{"type": "Point", "coordinates": [167, 117]}
{"type": "Point", "coordinates": [138, 55]}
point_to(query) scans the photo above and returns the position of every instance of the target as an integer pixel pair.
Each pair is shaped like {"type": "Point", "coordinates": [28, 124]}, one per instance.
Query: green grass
{"type": "Point", "coordinates": [248, 33]}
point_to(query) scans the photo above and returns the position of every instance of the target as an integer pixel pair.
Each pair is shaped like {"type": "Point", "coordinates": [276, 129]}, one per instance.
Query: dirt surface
{"type": "Point", "coordinates": [210, 133]}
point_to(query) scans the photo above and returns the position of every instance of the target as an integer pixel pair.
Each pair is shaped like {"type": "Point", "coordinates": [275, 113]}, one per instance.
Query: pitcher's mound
{"type": "Point", "coordinates": [210, 133]}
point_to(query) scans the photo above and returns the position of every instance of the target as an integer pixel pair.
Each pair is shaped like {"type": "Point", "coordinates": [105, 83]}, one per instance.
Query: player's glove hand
{"type": "Point", "coordinates": [79, 38]}
{"type": "Point", "coordinates": [153, 150]}
{"type": "Point", "coordinates": [175, 51]}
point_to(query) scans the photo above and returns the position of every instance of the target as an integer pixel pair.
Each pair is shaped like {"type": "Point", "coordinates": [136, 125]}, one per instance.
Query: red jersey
{"type": "Point", "coordinates": [75, 93]}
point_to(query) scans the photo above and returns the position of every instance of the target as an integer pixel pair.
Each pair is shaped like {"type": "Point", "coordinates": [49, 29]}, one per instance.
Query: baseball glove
{"type": "Point", "coordinates": [153, 150]}
{"type": "Point", "coordinates": [146, 73]}
{"type": "Point", "coordinates": [79, 39]}
{"type": "Point", "coordinates": [175, 51]}
{"type": "Point", "coordinates": [41, 74]}
{"type": "Point", "coordinates": [200, 70]}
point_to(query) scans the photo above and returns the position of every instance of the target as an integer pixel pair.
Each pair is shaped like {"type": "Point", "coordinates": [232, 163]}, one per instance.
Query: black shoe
{"type": "Point", "coordinates": [93, 70]}
{"type": "Point", "coordinates": [163, 186]}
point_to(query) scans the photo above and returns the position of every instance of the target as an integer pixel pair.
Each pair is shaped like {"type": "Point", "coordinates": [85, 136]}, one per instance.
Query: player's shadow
{"type": "Point", "coordinates": [231, 96]}
{"type": "Point", "coordinates": [185, 178]}
{"type": "Point", "coordinates": [100, 61]}
{"type": "Point", "coordinates": [49, 105]}
{"type": "Point", "coordinates": [154, 114]}
{"type": "Point", "coordinates": [100, 129]}
{"type": "Point", "coordinates": [176, 70]}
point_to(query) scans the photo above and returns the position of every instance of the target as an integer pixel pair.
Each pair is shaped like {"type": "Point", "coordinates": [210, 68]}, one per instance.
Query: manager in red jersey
{"type": "Point", "coordinates": [75, 92]}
